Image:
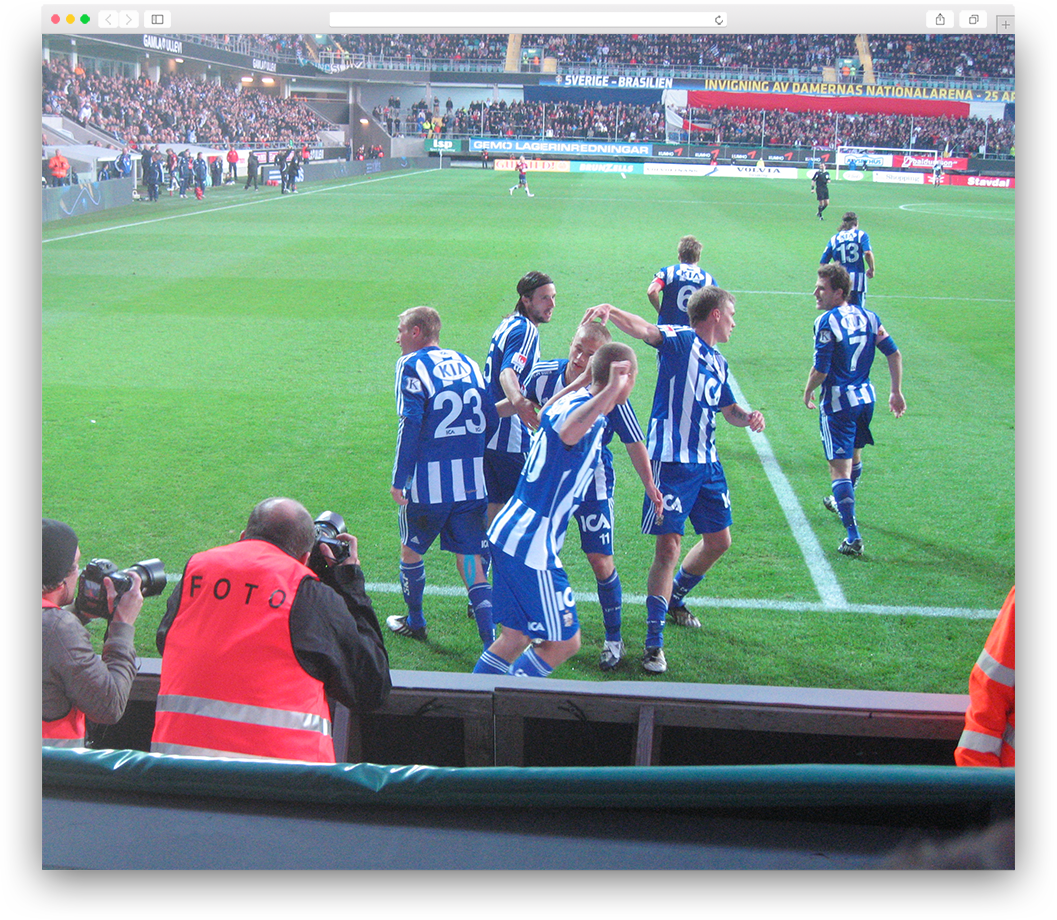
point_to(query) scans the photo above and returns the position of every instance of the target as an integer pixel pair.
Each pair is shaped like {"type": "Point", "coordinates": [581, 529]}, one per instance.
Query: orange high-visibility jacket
{"type": "Point", "coordinates": [990, 720]}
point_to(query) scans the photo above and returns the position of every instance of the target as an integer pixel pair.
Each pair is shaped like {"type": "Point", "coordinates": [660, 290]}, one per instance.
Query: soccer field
{"type": "Point", "coordinates": [200, 356]}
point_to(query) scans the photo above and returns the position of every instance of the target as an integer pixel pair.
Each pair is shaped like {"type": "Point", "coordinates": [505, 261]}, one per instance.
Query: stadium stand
{"type": "Point", "coordinates": [968, 58]}
{"type": "Point", "coordinates": [181, 110]}
{"type": "Point", "coordinates": [176, 110]}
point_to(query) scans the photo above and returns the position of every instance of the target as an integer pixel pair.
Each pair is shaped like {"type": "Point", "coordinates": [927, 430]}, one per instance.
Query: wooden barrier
{"type": "Point", "coordinates": [455, 719]}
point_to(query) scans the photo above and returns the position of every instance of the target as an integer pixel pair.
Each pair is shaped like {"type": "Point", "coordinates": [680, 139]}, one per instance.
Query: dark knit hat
{"type": "Point", "coordinates": [58, 550]}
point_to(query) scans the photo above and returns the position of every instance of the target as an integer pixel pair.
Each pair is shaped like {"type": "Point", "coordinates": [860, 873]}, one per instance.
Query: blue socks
{"type": "Point", "coordinates": [490, 663]}
{"type": "Point", "coordinates": [656, 610]}
{"type": "Point", "coordinates": [682, 585]}
{"type": "Point", "coordinates": [529, 664]}
{"type": "Point", "coordinates": [413, 585]}
{"type": "Point", "coordinates": [610, 596]}
{"type": "Point", "coordinates": [844, 494]}
{"type": "Point", "coordinates": [480, 597]}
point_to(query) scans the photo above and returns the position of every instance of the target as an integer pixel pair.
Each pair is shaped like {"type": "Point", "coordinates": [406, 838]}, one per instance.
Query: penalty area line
{"type": "Point", "coordinates": [826, 583]}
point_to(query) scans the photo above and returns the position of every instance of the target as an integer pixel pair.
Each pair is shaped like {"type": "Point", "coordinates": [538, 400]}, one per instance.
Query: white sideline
{"type": "Point", "coordinates": [263, 199]}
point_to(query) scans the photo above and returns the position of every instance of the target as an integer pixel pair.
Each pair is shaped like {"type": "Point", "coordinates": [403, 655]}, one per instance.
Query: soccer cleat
{"type": "Point", "coordinates": [850, 547]}
{"type": "Point", "coordinates": [653, 661]}
{"type": "Point", "coordinates": [400, 627]}
{"type": "Point", "coordinates": [680, 616]}
{"type": "Point", "coordinates": [469, 612]}
{"type": "Point", "coordinates": [511, 191]}
{"type": "Point", "coordinates": [531, 195]}
{"type": "Point", "coordinates": [830, 504]}
{"type": "Point", "coordinates": [612, 654]}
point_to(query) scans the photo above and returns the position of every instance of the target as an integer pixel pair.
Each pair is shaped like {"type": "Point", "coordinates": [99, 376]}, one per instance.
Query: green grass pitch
{"type": "Point", "coordinates": [200, 356]}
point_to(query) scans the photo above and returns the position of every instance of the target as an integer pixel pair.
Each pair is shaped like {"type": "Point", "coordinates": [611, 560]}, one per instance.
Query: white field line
{"type": "Point", "coordinates": [829, 589]}
{"type": "Point", "coordinates": [748, 603]}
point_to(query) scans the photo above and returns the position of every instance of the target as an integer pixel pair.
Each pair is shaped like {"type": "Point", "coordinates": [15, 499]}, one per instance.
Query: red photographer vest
{"type": "Point", "coordinates": [65, 732]}
{"type": "Point", "coordinates": [231, 685]}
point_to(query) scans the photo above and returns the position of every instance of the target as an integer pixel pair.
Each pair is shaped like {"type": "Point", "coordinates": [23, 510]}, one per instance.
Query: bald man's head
{"type": "Point", "coordinates": [284, 522]}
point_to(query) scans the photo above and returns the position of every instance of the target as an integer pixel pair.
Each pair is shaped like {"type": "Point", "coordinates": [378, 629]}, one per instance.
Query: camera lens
{"type": "Point", "coordinates": [152, 576]}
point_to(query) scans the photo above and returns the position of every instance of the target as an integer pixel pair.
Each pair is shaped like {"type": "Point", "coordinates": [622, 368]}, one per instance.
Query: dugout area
{"type": "Point", "coordinates": [463, 771]}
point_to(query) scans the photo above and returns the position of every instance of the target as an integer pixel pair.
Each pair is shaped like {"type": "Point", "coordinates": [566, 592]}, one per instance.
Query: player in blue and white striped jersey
{"type": "Point", "coordinates": [692, 387]}
{"type": "Point", "coordinates": [850, 247]}
{"type": "Point", "coordinates": [847, 338]}
{"type": "Point", "coordinates": [531, 592]}
{"type": "Point", "coordinates": [445, 416]}
{"type": "Point", "coordinates": [513, 351]}
{"type": "Point", "coordinates": [671, 288]}
{"type": "Point", "coordinates": [594, 515]}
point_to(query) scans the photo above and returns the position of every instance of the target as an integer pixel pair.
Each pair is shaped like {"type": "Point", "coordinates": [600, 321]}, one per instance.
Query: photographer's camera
{"type": "Point", "coordinates": [91, 592]}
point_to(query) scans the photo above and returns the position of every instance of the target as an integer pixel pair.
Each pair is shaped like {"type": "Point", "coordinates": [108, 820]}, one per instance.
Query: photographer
{"type": "Point", "coordinates": [254, 641]}
{"type": "Point", "coordinates": [78, 683]}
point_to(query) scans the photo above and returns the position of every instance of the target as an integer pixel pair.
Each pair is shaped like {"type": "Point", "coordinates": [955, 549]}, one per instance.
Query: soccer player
{"type": "Point", "coordinates": [692, 387]}
{"type": "Point", "coordinates": [672, 287]}
{"type": "Point", "coordinates": [522, 176]}
{"type": "Point", "coordinates": [531, 592]}
{"type": "Point", "coordinates": [438, 476]}
{"type": "Point", "coordinates": [820, 183]}
{"type": "Point", "coordinates": [594, 515]}
{"type": "Point", "coordinates": [846, 339]}
{"type": "Point", "coordinates": [850, 246]}
{"type": "Point", "coordinates": [513, 351]}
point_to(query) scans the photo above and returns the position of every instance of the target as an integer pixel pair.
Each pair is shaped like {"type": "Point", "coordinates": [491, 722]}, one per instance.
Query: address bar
{"type": "Point", "coordinates": [512, 22]}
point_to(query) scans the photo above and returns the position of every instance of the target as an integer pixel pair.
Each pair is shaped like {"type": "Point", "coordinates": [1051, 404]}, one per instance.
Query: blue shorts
{"type": "Point", "coordinates": [461, 526]}
{"type": "Point", "coordinates": [501, 473]}
{"type": "Point", "coordinates": [537, 603]}
{"type": "Point", "coordinates": [845, 432]}
{"type": "Point", "coordinates": [594, 517]}
{"type": "Point", "coordinates": [697, 491]}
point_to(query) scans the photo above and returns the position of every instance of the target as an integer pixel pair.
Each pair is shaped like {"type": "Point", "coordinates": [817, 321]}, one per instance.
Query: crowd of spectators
{"type": "Point", "coordinates": [526, 119]}
{"type": "Point", "coordinates": [180, 109]}
{"type": "Point", "coordinates": [290, 47]}
{"type": "Point", "coordinates": [724, 125]}
{"type": "Point", "coordinates": [783, 128]}
{"type": "Point", "coordinates": [726, 52]}
{"type": "Point", "coordinates": [374, 152]}
{"type": "Point", "coordinates": [962, 55]}
{"type": "Point", "coordinates": [453, 48]}
{"type": "Point", "coordinates": [936, 55]}
{"type": "Point", "coordinates": [176, 109]}
{"type": "Point", "coordinates": [969, 56]}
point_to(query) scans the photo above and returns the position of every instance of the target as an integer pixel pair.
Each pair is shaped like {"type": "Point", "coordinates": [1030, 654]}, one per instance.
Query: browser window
{"type": "Point", "coordinates": [239, 200]}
